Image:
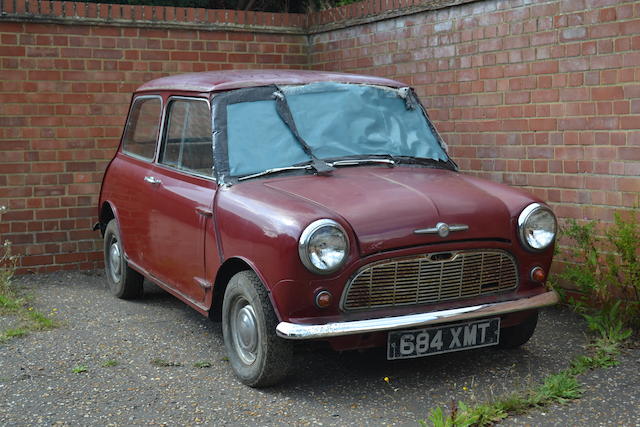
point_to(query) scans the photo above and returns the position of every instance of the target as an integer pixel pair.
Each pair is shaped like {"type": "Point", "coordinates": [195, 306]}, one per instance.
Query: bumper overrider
{"type": "Point", "coordinates": [297, 331]}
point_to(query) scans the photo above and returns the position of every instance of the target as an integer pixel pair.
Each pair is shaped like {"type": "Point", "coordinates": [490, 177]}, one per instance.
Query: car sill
{"type": "Point", "coordinates": [297, 331]}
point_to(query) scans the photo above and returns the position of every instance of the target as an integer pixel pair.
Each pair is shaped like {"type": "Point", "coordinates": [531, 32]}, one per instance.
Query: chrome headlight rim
{"type": "Point", "coordinates": [522, 221]}
{"type": "Point", "coordinates": [305, 237]}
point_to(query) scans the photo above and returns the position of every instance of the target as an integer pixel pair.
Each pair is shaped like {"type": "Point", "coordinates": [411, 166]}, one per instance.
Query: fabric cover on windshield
{"type": "Point", "coordinates": [336, 120]}
{"type": "Point", "coordinates": [340, 120]}
{"type": "Point", "coordinates": [259, 139]}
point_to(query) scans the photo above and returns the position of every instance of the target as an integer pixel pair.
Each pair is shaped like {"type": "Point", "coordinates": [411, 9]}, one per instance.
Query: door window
{"type": "Point", "coordinates": [188, 141]}
{"type": "Point", "coordinates": [141, 131]}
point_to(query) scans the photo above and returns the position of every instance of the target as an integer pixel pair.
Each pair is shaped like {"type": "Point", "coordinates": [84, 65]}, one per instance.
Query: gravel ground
{"type": "Point", "coordinates": [38, 385]}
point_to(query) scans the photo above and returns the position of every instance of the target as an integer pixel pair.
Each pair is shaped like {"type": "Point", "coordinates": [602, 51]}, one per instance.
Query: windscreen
{"type": "Point", "coordinates": [336, 120]}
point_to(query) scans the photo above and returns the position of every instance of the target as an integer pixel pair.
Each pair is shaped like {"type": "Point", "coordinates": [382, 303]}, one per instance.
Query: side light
{"type": "Point", "coordinates": [538, 274]}
{"type": "Point", "coordinates": [323, 299]}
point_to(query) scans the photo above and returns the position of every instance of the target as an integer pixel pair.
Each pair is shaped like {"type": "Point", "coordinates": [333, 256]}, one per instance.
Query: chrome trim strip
{"type": "Point", "coordinates": [296, 331]}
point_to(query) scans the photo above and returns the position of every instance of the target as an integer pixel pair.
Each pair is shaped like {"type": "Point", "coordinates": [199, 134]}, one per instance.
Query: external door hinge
{"type": "Point", "coordinates": [204, 284]}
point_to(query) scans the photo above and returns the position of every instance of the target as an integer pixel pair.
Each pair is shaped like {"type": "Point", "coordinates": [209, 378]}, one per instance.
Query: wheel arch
{"type": "Point", "coordinates": [227, 270]}
{"type": "Point", "coordinates": [106, 214]}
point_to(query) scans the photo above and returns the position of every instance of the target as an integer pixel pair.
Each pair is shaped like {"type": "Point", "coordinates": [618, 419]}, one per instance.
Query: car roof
{"type": "Point", "coordinates": [212, 81]}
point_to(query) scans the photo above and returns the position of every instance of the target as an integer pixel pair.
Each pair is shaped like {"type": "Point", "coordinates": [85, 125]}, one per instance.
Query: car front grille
{"type": "Point", "coordinates": [430, 278]}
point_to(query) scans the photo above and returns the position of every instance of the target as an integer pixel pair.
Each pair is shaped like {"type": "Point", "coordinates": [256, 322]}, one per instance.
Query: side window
{"type": "Point", "coordinates": [188, 141]}
{"type": "Point", "coordinates": [141, 131]}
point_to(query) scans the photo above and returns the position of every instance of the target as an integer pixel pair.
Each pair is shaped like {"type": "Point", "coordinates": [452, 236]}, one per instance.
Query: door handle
{"type": "Point", "coordinates": [152, 180]}
{"type": "Point", "coordinates": [204, 212]}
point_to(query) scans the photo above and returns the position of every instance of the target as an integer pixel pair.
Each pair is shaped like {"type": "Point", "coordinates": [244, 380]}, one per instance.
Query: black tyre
{"type": "Point", "coordinates": [124, 282]}
{"type": "Point", "coordinates": [257, 355]}
{"type": "Point", "coordinates": [515, 336]}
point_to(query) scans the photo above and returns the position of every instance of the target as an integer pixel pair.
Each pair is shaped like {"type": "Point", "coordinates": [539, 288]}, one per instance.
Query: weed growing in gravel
{"type": "Point", "coordinates": [557, 388]}
{"type": "Point", "coordinates": [13, 304]}
{"type": "Point", "coordinates": [15, 332]}
{"type": "Point", "coordinates": [202, 364]}
{"type": "Point", "coordinates": [110, 363]}
{"type": "Point", "coordinates": [164, 363]}
{"type": "Point", "coordinates": [79, 369]}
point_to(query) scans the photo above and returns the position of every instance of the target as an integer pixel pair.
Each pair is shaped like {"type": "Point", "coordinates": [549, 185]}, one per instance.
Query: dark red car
{"type": "Point", "coordinates": [302, 205]}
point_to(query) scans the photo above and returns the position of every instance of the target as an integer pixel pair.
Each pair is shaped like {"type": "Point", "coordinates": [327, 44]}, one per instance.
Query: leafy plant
{"type": "Point", "coordinates": [556, 388]}
{"type": "Point", "coordinates": [79, 369]}
{"type": "Point", "coordinates": [164, 363]}
{"type": "Point", "coordinates": [12, 303]}
{"type": "Point", "coordinates": [8, 263]}
{"type": "Point", "coordinates": [606, 270]}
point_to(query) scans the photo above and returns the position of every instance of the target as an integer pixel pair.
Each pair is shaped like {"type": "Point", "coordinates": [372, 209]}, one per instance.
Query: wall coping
{"type": "Point", "coordinates": [79, 13]}
{"type": "Point", "coordinates": [369, 11]}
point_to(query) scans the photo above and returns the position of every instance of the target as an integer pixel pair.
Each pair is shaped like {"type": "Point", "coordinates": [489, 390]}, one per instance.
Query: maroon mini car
{"type": "Point", "coordinates": [299, 205]}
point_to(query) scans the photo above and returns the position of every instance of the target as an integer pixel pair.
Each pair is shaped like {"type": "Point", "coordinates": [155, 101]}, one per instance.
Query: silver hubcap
{"type": "Point", "coordinates": [245, 331]}
{"type": "Point", "coordinates": [115, 260]}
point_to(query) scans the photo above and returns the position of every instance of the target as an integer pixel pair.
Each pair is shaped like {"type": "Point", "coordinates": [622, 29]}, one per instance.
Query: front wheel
{"type": "Point", "coordinates": [124, 282]}
{"type": "Point", "coordinates": [257, 355]}
{"type": "Point", "coordinates": [515, 336]}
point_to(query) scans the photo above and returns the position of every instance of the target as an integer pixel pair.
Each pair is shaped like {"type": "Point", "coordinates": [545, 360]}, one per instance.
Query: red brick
{"type": "Point", "coordinates": [603, 93]}
{"type": "Point", "coordinates": [628, 184]}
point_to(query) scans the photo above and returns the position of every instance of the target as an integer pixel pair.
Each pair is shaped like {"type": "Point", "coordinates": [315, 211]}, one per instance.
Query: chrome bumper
{"type": "Point", "coordinates": [296, 331]}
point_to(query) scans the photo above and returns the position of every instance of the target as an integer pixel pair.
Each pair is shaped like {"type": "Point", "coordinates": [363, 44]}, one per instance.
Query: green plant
{"type": "Point", "coordinates": [202, 364]}
{"type": "Point", "coordinates": [110, 363]}
{"type": "Point", "coordinates": [15, 332]}
{"type": "Point", "coordinates": [79, 369]}
{"type": "Point", "coordinates": [8, 263]}
{"type": "Point", "coordinates": [606, 270]}
{"type": "Point", "coordinates": [164, 363]}
{"type": "Point", "coordinates": [559, 388]}
{"type": "Point", "coordinates": [12, 303]}
{"type": "Point", "coordinates": [556, 388]}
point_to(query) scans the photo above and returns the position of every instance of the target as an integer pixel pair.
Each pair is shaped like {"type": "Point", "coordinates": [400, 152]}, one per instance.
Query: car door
{"type": "Point", "coordinates": [130, 171]}
{"type": "Point", "coordinates": [181, 210]}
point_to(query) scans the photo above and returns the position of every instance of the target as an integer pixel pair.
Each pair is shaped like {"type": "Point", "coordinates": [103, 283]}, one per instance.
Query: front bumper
{"type": "Point", "coordinates": [304, 332]}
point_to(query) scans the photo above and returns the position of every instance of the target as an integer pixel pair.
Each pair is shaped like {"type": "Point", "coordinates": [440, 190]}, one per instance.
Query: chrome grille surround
{"type": "Point", "coordinates": [430, 278]}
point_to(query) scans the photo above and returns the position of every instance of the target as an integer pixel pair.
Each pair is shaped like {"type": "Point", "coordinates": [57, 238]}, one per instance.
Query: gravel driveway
{"type": "Point", "coordinates": [38, 385]}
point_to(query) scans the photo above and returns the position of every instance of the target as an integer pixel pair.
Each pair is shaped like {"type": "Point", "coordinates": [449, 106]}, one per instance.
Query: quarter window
{"type": "Point", "coordinates": [141, 131]}
{"type": "Point", "coordinates": [188, 142]}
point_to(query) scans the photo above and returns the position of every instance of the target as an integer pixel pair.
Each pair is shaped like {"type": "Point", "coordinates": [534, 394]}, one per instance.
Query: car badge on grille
{"type": "Point", "coordinates": [442, 229]}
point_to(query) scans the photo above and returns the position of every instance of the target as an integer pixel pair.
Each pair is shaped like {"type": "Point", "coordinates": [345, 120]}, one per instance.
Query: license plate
{"type": "Point", "coordinates": [443, 339]}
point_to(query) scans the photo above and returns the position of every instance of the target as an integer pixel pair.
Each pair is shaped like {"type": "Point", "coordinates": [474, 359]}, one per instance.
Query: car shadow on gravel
{"type": "Point", "coordinates": [560, 336]}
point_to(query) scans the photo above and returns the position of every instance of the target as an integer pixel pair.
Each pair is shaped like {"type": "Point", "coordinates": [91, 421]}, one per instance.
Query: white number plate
{"type": "Point", "coordinates": [443, 339]}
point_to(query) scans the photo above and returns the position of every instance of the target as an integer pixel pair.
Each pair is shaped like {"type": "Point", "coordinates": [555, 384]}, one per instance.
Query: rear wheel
{"type": "Point", "coordinates": [515, 336]}
{"type": "Point", "coordinates": [257, 355]}
{"type": "Point", "coordinates": [124, 282]}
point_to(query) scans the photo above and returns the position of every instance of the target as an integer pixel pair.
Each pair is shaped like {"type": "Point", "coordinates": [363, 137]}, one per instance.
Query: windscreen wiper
{"type": "Point", "coordinates": [424, 162]}
{"type": "Point", "coordinates": [282, 107]}
{"type": "Point", "coordinates": [276, 170]}
{"type": "Point", "coordinates": [354, 162]}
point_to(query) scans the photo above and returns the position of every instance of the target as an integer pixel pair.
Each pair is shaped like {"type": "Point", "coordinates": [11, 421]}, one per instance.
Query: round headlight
{"type": "Point", "coordinates": [537, 227]}
{"type": "Point", "coordinates": [323, 246]}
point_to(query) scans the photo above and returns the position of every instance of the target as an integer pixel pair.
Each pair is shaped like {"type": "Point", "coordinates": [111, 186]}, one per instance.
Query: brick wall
{"type": "Point", "coordinates": [65, 83]}
{"type": "Point", "coordinates": [539, 94]}
{"type": "Point", "coordinates": [544, 95]}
